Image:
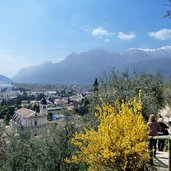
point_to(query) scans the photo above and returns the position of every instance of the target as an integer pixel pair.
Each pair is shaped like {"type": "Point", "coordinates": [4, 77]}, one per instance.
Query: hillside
{"type": "Point", "coordinates": [76, 68]}
{"type": "Point", "coordinates": [162, 66]}
{"type": "Point", "coordinates": [5, 81]}
{"type": "Point", "coordinates": [86, 66]}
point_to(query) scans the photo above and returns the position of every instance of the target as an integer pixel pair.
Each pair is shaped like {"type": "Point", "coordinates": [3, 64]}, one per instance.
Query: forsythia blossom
{"type": "Point", "coordinates": [119, 143]}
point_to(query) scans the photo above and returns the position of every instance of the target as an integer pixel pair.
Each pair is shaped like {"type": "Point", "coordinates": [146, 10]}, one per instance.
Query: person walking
{"type": "Point", "coordinates": [154, 128]}
{"type": "Point", "coordinates": [164, 131]}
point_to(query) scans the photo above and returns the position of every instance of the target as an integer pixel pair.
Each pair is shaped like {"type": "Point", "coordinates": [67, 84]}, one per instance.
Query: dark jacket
{"type": "Point", "coordinates": [164, 128]}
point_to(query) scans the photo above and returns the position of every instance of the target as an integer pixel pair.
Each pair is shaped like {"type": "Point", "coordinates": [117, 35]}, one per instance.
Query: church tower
{"type": "Point", "coordinates": [96, 86]}
{"type": "Point", "coordinates": [95, 90]}
{"type": "Point", "coordinates": [43, 107]}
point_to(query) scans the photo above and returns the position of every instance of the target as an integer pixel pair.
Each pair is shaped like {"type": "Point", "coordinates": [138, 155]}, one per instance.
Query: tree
{"type": "Point", "coordinates": [167, 98]}
{"type": "Point", "coordinates": [22, 152]}
{"type": "Point", "coordinates": [49, 117]}
{"type": "Point", "coordinates": [40, 96]}
{"type": "Point", "coordinates": [35, 107]}
{"type": "Point", "coordinates": [3, 102]}
{"type": "Point", "coordinates": [4, 110]}
{"type": "Point", "coordinates": [3, 143]}
{"type": "Point", "coordinates": [18, 153]}
{"type": "Point", "coordinates": [119, 143]}
{"type": "Point", "coordinates": [95, 85]}
{"type": "Point", "coordinates": [120, 86]}
{"type": "Point", "coordinates": [168, 12]}
{"type": "Point", "coordinates": [69, 99]}
{"type": "Point", "coordinates": [54, 147]}
{"type": "Point", "coordinates": [6, 119]}
{"type": "Point", "coordinates": [82, 108]}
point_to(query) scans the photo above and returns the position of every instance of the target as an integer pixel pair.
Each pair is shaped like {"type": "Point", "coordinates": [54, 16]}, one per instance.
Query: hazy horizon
{"type": "Point", "coordinates": [34, 31]}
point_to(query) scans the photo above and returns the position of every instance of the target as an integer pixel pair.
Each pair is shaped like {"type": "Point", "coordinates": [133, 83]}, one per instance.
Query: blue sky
{"type": "Point", "coordinates": [35, 31]}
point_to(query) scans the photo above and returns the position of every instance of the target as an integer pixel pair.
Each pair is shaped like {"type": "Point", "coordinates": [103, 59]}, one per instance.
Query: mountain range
{"type": "Point", "coordinates": [86, 66]}
{"type": "Point", "coordinates": [5, 81]}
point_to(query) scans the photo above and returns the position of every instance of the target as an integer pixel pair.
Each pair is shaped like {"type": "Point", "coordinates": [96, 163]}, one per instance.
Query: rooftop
{"type": "Point", "coordinates": [26, 113]}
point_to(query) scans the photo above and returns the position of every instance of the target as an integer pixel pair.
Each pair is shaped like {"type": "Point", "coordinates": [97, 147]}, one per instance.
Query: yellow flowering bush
{"type": "Point", "coordinates": [119, 143]}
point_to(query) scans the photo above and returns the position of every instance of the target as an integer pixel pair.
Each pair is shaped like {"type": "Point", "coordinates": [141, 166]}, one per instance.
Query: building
{"type": "Point", "coordinates": [31, 120]}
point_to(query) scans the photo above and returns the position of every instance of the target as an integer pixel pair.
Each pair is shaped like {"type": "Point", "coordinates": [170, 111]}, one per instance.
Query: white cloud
{"type": "Point", "coordinates": [99, 31]}
{"type": "Point", "coordinates": [123, 36]}
{"type": "Point", "coordinates": [163, 34]}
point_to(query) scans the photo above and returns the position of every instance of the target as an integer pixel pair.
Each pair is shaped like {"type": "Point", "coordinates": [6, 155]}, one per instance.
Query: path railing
{"type": "Point", "coordinates": [164, 137]}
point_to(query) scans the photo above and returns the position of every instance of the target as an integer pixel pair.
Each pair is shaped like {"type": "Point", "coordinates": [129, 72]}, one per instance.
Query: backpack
{"type": "Point", "coordinates": [166, 132]}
